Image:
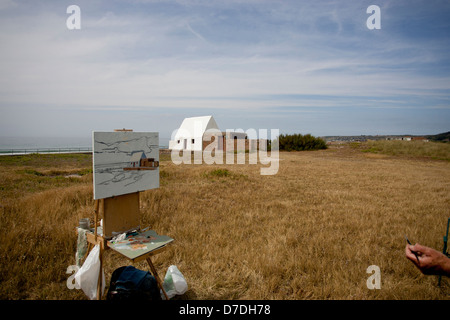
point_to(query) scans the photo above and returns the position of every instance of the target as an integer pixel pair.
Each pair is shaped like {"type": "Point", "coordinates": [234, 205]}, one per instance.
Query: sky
{"type": "Point", "coordinates": [297, 66]}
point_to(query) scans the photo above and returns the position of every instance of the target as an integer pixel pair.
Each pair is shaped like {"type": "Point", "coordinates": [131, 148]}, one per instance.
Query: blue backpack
{"type": "Point", "coordinates": [129, 283]}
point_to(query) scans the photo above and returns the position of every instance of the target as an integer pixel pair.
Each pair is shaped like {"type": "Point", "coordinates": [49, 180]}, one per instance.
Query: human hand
{"type": "Point", "coordinates": [428, 260]}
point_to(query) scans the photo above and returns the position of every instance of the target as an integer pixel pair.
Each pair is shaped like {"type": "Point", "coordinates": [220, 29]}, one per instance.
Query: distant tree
{"type": "Point", "coordinates": [298, 142]}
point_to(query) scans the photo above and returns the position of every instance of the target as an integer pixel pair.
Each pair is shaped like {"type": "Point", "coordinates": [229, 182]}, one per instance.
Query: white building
{"type": "Point", "coordinates": [196, 133]}
{"type": "Point", "coordinates": [189, 135]}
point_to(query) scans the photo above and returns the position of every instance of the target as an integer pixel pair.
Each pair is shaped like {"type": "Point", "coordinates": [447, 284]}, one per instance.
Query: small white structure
{"type": "Point", "coordinates": [196, 133]}
{"type": "Point", "coordinates": [190, 134]}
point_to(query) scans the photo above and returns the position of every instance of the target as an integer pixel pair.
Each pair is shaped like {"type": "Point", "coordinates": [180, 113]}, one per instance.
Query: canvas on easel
{"type": "Point", "coordinates": [124, 162]}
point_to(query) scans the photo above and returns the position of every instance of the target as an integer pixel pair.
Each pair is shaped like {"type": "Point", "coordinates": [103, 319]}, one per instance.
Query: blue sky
{"type": "Point", "coordinates": [297, 66]}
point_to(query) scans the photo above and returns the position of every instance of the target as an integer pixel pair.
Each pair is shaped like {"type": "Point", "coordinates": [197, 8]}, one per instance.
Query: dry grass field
{"type": "Point", "coordinates": [308, 232]}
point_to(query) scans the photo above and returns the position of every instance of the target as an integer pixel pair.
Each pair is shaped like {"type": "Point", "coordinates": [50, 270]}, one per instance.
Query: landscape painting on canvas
{"type": "Point", "coordinates": [124, 162]}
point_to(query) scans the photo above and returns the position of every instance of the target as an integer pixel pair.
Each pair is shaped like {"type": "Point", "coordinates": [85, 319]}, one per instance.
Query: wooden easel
{"type": "Point", "coordinates": [120, 213]}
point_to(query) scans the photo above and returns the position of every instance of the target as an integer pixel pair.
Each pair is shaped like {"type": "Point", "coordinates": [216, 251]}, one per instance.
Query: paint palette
{"type": "Point", "coordinates": [139, 244]}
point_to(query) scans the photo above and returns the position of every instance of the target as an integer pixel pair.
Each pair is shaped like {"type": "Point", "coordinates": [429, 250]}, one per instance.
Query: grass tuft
{"type": "Point", "coordinates": [219, 173]}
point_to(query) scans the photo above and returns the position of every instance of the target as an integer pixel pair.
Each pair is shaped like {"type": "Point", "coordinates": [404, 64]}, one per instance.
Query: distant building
{"type": "Point", "coordinates": [420, 139]}
{"type": "Point", "coordinates": [407, 138]}
{"type": "Point", "coordinates": [394, 138]}
{"type": "Point", "coordinates": [196, 133]}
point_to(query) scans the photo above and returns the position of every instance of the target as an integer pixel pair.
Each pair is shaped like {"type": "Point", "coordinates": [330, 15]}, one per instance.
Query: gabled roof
{"type": "Point", "coordinates": [137, 156]}
{"type": "Point", "coordinates": [196, 126]}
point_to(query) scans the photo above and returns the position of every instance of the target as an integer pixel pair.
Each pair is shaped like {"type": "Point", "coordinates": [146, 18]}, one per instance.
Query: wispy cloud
{"type": "Point", "coordinates": [195, 33]}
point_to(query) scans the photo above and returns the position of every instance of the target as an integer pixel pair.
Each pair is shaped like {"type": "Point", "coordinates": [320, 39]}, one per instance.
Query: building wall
{"type": "Point", "coordinates": [239, 144]}
{"type": "Point", "coordinates": [190, 144]}
{"type": "Point", "coordinates": [227, 141]}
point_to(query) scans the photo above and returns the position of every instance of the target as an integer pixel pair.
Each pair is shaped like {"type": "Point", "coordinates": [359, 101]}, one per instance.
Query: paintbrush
{"type": "Point", "coordinates": [415, 253]}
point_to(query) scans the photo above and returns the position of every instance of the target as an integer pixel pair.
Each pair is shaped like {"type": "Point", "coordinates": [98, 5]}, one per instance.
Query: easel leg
{"type": "Point", "coordinates": [96, 208]}
{"type": "Point", "coordinates": [100, 276]}
{"type": "Point", "coordinates": [155, 274]}
{"type": "Point", "coordinates": [99, 281]}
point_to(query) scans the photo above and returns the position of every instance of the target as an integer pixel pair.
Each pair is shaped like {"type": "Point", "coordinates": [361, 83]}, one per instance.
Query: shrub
{"type": "Point", "coordinates": [298, 142]}
{"type": "Point", "coordinates": [219, 173]}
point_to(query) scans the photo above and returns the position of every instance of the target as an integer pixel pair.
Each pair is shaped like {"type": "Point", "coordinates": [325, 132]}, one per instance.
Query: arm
{"type": "Point", "coordinates": [430, 261]}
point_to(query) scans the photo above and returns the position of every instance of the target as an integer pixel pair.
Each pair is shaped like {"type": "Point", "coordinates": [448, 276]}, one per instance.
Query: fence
{"type": "Point", "coordinates": [45, 150]}
{"type": "Point", "coordinates": [50, 150]}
